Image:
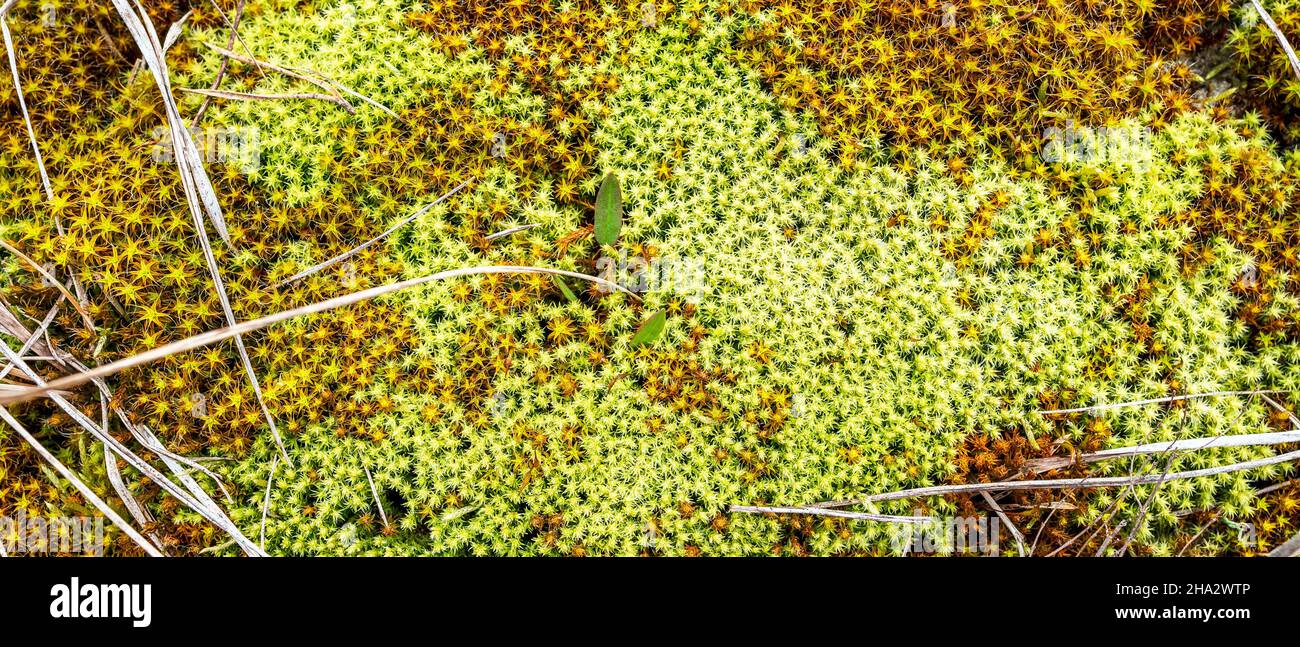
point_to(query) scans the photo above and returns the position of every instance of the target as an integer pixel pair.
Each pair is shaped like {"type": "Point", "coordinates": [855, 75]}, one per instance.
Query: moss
{"type": "Point", "coordinates": [850, 329]}
{"type": "Point", "coordinates": [842, 318]}
{"type": "Point", "coordinates": [899, 74]}
{"type": "Point", "coordinates": [1268, 83]}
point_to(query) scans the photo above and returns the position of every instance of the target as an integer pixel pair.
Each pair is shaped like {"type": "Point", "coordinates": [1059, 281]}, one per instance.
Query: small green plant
{"type": "Point", "coordinates": [609, 211]}
{"type": "Point", "coordinates": [650, 329]}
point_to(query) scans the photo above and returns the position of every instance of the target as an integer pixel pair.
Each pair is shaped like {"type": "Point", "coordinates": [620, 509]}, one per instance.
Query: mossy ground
{"type": "Point", "coordinates": [851, 308]}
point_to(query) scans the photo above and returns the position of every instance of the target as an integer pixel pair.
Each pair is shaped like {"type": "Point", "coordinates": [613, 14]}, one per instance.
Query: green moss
{"type": "Point", "coordinates": [1268, 81]}
{"type": "Point", "coordinates": [848, 329]}
{"type": "Point", "coordinates": [836, 325]}
{"type": "Point", "coordinates": [363, 45]}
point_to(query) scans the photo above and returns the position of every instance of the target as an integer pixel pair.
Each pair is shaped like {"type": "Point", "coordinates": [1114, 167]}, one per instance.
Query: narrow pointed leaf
{"type": "Point", "coordinates": [650, 329]}
{"type": "Point", "coordinates": [564, 289]}
{"type": "Point", "coordinates": [609, 211]}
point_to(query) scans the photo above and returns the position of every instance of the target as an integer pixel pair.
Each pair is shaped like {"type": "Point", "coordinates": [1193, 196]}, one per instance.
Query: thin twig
{"type": "Point", "coordinates": [1281, 38]}
{"type": "Point", "coordinates": [174, 32]}
{"type": "Point", "coordinates": [329, 85]}
{"type": "Point", "coordinates": [138, 512]}
{"type": "Point", "coordinates": [1198, 534]}
{"type": "Point", "coordinates": [348, 254]}
{"type": "Point", "coordinates": [139, 432]}
{"type": "Point", "coordinates": [33, 339]}
{"type": "Point", "coordinates": [266, 501]}
{"type": "Point", "coordinates": [22, 102]}
{"type": "Point", "coordinates": [1110, 535]}
{"type": "Point", "coordinates": [235, 331]}
{"type": "Point", "coordinates": [1104, 518]}
{"type": "Point", "coordinates": [247, 50]}
{"type": "Point", "coordinates": [844, 514]}
{"type": "Point", "coordinates": [85, 316]}
{"type": "Point", "coordinates": [512, 230]}
{"type": "Point", "coordinates": [357, 95]}
{"type": "Point", "coordinates": [1034, 546]}
{"type": "Point", "coordinates": [1295, 422]}
{"type": "Point", "coordinates": [287, 71]}
{"type": "Point", "coordinates": [174, 462]}
{"type": "Point", "coordinates": [108, 40]}
{"type": "Point", "coordinates": [249, 96]}
{"type": "Point", "coordinates": [1146, 505]}
{"type": "Point", "coordinates": [1113, 504]}
{"type": "Point", "coordinates": [375, 493]}
{"type": "Point", "coordinates": [1173, 398]}
{"type": "Point", "coordinates": [1045, 484]}
{"type": "Point", "coordinates": [225, 63]}
{"type": "Point", "coordinates": [1275, 487]}
{"type": "Point", "coordinates": [1258, 493]}
{"type": "Point", "coordinates": [10, 323]}
{"type": "Point", "coordinates": [1015, 532]}
{"type": "Point", "coordinates": [1172, 452]}
{"type": "Point", "coordinates": [1039, 465]}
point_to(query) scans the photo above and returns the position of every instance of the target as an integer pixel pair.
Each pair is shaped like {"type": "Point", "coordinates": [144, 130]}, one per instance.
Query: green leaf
{"type": "Point", "coordinates": [609, 210]}
{"type": "Point", "coordinates": [650, 329]}
{"type": "Point", "coordinates": [564, 288]}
